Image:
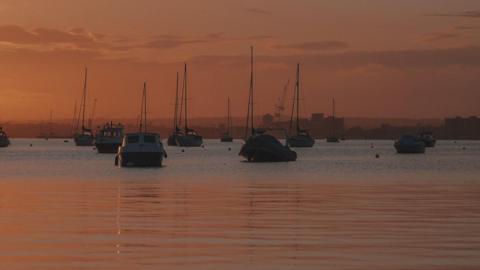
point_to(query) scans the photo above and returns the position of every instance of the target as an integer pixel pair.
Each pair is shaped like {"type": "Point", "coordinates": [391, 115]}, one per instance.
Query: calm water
{"type": "Point", "coordinates": [337, 207]}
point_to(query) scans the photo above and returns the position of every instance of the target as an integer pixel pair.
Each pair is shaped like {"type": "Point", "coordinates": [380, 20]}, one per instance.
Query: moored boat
{"type": "Point", "coordinates": [109, 138]}
{"type": "Point", "coordinates": [84, 137]}
{"type": "Point", "coordinates": [4, 140]}
{"type": "Point", "coordinates": [141, 149]}
{"type": "Point", "coordinates": [409, 144]}
{"type": "Point", "coordinates": [301, 138]}
{"type": "Point", "coordinates": [261, 147]}
{"type": "Point", "coordinates": [428, 139]}
{"type": "Point", "coordinates": [187, 137]}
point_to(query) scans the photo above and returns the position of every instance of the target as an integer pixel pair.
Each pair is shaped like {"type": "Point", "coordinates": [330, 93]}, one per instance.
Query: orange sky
{"type": "Point", "coordinates": [378, 58]}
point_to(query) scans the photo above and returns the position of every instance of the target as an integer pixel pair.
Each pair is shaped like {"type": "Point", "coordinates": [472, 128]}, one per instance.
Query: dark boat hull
{"type": "Point", "coordinates": [333, 140]}
{"type": "Point", "coordinates": [300, 141]}
{"type": "Point", "coordinates": [266, 148]}
{"type": "Point", "coordinates": [107, 148]}
{"type": "Point", "coordinates": [189, 140]}
{"type": "Point", "coordinates": [226, 139]}
{"type": "Point", "coordinates": [140, 159]}
{"type": "Point", "coordinates": [84, 140]}
{"type": "Point", "coordinates": [410, 149]}
{"type": "Point", "coordinates": [429, 143]}
{"type": "Point", "coordinates": [172, 140]}
{"type": "Point", "coordinates": [4, 143]}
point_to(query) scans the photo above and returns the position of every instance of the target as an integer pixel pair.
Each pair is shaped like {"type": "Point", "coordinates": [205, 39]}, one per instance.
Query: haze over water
{"type": "Point", "coordinates": [337, 207]}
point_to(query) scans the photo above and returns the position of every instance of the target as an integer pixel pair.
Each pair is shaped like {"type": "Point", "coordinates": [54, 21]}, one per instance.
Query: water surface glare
{"type": "Point", "coordinates": [337, 207]}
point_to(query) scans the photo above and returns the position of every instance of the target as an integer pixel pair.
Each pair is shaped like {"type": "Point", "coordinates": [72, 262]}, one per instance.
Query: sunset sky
{"type": "Point", "coordinates": [378, 58]}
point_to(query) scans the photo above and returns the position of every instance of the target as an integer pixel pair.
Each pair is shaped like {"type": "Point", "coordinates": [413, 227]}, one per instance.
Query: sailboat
{"type": "Point", "coordinates": [259, 146]}
{"type": "Point", "coordinates": [301, 138]}
{"type": "Point", "coordinates": [4, 141]}
{"type": "Point", "coordinates": [141, 149]}
{"type": "Point", "coordinates": [226, 136]}
{"type": "Point", "coordinates": [172, 139]}
{"type": "Point", "coordinates": [189, 137]}
{"type": "Point", "coordinates": [85, 136]}
{"type": "Point", "coordinates": [333, 137]}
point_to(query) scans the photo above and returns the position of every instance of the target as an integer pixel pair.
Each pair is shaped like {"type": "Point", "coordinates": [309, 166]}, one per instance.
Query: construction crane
{"type": "Point", "coordinates": [280, 105]}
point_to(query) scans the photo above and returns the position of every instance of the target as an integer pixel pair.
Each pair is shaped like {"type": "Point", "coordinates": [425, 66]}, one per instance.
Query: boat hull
{"type": "Point", "coordinates": [333, 140]}
{"type": "Point", "coordinates": [300, 141]}
{"type": "Point", "coordinates": [189, 140]}
{"type": "Point", "coordinates": [266, 148]}
{"type": "Point", "coordinates": [429, 143]}
{"type": "Point", "coordinates": [140, 159]}
{"type": "Point", "coordinates": [410, 149]}
{"type": "Point", "coordinates": [4, 143]}
{"type": "Point", "coordinates": [107, 148]}
{"type": "Point", "coordinates": [172, 140]}
{"type": "Point", "coordinates": [84, 140]}
{"type": "Point", "coordinates": [226, 139]}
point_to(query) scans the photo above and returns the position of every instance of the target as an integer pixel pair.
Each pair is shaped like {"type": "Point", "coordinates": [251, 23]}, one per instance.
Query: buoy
{"type": "Point", "coordinates": [229, 149]}
{"type": "Point", "coordinates": [31, 145]}
{"type": "Point", "coordinates": [203, 146]}
{"type": "Point", "coordinates": [464, 148]}
{"type": "Point", "coordinates": [377, 156]}
{"type": "Point", "coordinates": [183, 150]}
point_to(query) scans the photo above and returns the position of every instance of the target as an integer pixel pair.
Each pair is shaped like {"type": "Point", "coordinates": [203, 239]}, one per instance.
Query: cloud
{"type": "Point", "coordinates": [314, 46]}
{"type": "Point", "coordinates": [258, 11]}
{"type": "Point", "coordinates": [399, 59]}
{"type": "Point", "coordinates": [433, 37]}
{"type": "Point", "coordinates": [175, 41]}
{"type": "Point", "coordinates": [466, 14]}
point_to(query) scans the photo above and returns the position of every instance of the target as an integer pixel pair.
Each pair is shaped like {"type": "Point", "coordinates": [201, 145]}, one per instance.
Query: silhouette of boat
{"type": "Point", "coordinates": [409, 144]}
{"type": "Point", "coordinates": [187, 137]}
{"type": "Point", "coordinates": [261, 147]}
{"type": "Point", "coordinates": [85, 136]}
{"type": "Point", "coordinates": [301, 138]}
{"type": "Point", "coordinates": [109, 138]}
{"type": "Point", "coordinates": [428, 139]}
{"type": "Point", "coordinates": [333, 138]}
{"type": "Point", "coordinates": [4, 141]}
{"type": "Point", "coordinates": [141, 149]}
{"type": "Point", "coordinates": [172, 139]}
{"type": "Point", "coordinates": [226, 136]}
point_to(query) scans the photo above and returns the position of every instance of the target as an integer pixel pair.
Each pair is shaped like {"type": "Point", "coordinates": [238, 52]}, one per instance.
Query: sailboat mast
{"type": "Point", "coordinates": [84, 101]}
{"type": "Point", "coordinates": [175, 115]}
{"type": "Point", "coordinates": [251, 88]}
{"type": "Point", "coordinates": [333, 116]}
{"type": "Point", "coordinates": [228, 115]}
{"type": "Point", "coordinates": [74, 127]}
{"type": "Point", "coordinates": [298, 97]}
{"type": "Point", "coordinates": [145, 106]}
{"type": "Point", "coordinates": [185, 97]}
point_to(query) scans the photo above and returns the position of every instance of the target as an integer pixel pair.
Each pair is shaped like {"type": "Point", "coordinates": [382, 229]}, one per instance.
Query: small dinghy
{"type": "Point", "coordinates": [409, 144]}
{"type": "Point", "coordinates": [141, 149]}
{"type": "Point", "coordinates": [261, 147]}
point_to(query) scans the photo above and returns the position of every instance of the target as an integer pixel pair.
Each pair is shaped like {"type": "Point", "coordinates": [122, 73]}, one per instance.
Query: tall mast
{"type": "Point", "coordinates": [143, 110]}
{"type": "Point", "coordinates": [175, 115]}
{"type": "Point", "coordinates": [250, 99]}
{"type": "Point", "coordinates": [185, 97]}
{"type": "Point", "coordinates": [229, 123]}
{"type": "Point", "coordinates": [298, 97]}
{"type": "Point", "coordinates": [74, 120]}
{"type": "Point", "coordinates": [84, 101]}
{"type": "Point", "coordinates": [333, 116]}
